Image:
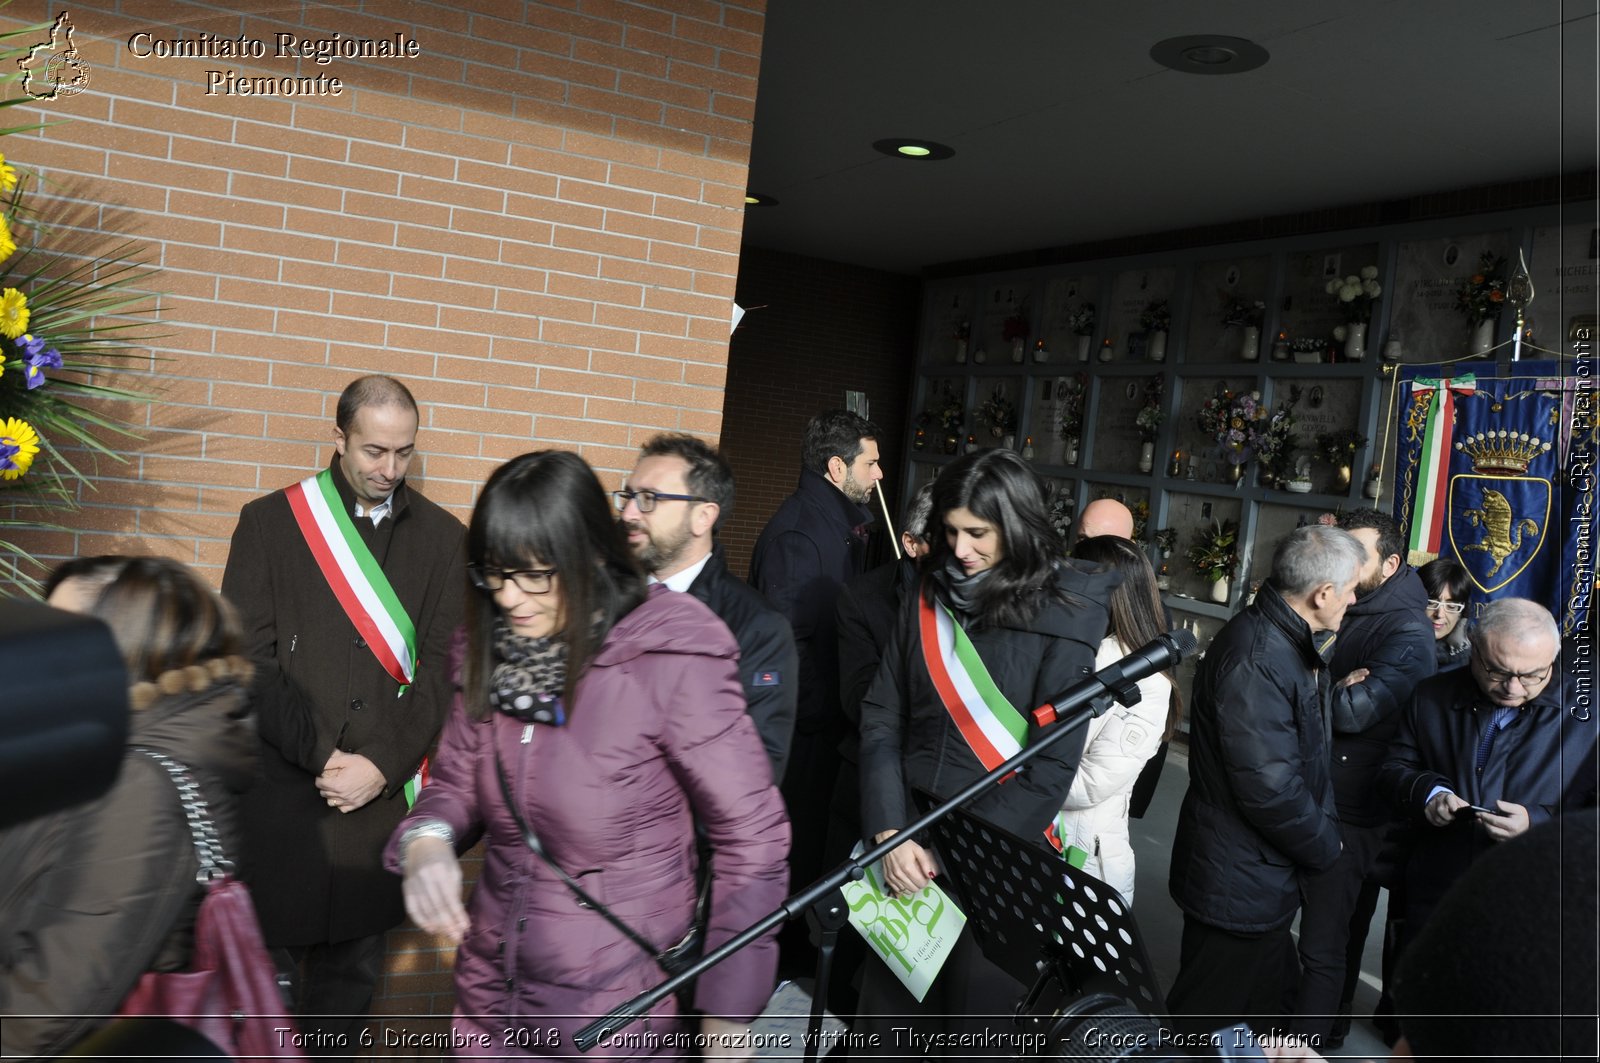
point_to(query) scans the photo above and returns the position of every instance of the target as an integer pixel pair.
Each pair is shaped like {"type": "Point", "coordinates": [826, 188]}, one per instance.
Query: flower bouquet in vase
{"type": "Point", "coordinates": [1014, 330]}
{"type": "Point", "coordinates": [1233, 423]}
{"type": "Point", "coordinates": [1215, 555]}
{"type": "Point", "coordinates": [1246, 315]}
{"type": "Point", "coordinates": [1356, 293]}
{"type": "Point", "coordinates": [1480, 299]}
{"type": "Point", "coordinates": [1081, 324]}
{"type": "Point", "coordinates": [1156, 319]}
{"type": "Point", "coordinates": [998, 415]}
{"type": "Point", "coordinates": [1071, 395]}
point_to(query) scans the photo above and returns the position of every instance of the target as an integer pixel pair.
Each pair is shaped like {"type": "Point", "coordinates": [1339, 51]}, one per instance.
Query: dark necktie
{"type": "Point", "coordinates": [1486, 740]}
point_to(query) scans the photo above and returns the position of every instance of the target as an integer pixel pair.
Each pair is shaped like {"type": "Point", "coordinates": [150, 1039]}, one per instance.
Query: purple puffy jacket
{"type": "Point", "coordinates": [658, 737]}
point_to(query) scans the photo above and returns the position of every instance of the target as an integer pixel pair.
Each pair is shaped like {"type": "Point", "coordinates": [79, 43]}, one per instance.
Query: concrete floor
{"type": "Point", "coordinates": [1160, 926]}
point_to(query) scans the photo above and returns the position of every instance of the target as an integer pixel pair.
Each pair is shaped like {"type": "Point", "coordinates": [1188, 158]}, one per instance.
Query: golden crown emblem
{"type": "Point", "coordinates": [1500, 451]}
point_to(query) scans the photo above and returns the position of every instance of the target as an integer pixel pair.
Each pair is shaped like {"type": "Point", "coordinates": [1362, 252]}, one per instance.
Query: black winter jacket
{"type": "Point", "coordinates": [811, 546]}
{"type": "Point", "coordinates": [1389, 634]}
{"type": "Point", "coordinates": [768, 662]}
{"type": "Point", "coordinates": [1259, 810]}
{"type": "Point", "coordinates": [909, 740]}
{"type": "Point", "coordinates": [1537, 761]}
{"type": "Point", "coordinates": [868, 606]}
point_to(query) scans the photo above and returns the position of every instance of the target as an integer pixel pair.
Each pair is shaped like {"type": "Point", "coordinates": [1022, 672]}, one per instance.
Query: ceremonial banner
{"type": "Point", "coordinates": [1494, 473]}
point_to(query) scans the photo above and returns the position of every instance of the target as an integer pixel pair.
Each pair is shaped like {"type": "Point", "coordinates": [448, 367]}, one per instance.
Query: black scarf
{"type": "Point", "coordinates": [960, 590]}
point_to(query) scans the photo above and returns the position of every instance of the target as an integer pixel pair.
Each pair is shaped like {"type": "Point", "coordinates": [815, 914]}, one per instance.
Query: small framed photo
{"type": "Point", "coordinates": [1330, 266]}
{"type": "Point", "coordinates": [1452, 254]}
{"type": "Point", "coordinates": [1231, 278]}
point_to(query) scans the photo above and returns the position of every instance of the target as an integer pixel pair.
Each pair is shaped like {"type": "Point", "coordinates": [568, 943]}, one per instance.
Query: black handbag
{"type": "Point", "coordinates": [673, 959]}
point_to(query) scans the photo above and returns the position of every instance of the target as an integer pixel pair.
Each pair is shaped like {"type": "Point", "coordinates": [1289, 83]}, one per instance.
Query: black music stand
{"type": "Point", "coordinates": [1049, 925]}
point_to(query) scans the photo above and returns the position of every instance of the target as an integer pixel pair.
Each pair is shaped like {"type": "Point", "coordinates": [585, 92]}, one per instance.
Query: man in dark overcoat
{"type": "Point", "coordinates": [341, 736]}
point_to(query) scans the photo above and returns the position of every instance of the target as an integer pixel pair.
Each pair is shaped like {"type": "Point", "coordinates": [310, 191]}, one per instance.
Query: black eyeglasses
{"type": "Point", "coordinates": [1527, 679]}
{"type": "Point", "coordinates": [527, 580]}
{"type": "Point", "coordinates": [646, 500]}
{"type": "Point", "coordinates": [1453, 608]}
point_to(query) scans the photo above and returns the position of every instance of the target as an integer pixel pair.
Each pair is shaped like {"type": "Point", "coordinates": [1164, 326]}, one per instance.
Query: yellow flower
{"type": "Point", "coordinates": [8, 245]}
{"type": "Point", "coordinates": [8, 176]}
{"type": "Point", "coordinates": [18, 445]}
{"type": "Point", "coordinates": [13, 313]}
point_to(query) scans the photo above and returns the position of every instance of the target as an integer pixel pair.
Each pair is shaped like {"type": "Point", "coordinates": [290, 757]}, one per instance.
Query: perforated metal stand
{"type": "Point", "coordinates": [1049, 925]}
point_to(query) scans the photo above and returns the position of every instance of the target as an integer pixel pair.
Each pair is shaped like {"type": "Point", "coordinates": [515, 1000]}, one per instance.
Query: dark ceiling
{"type": "Point", "coordinates": [1066, 131]}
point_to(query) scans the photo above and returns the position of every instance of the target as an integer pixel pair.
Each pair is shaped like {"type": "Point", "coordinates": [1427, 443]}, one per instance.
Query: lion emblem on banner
{"type": "Point", "coordinates": [1498, 515]}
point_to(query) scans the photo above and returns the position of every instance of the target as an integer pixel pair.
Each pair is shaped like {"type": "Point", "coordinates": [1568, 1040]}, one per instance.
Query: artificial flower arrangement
{"type": "Point", "coordinates": [1062, 511]}
{"type": "Point", "coordinates": [1276, 443]}
{"type": "Point", "coordinates": [1165, 540]}
{"type": "Point", "coordinates": [998, 414]}
{"type": "Point", "coordinates": [1483, 295]}
{"type": "Point", "coordinates": [946, 411]}
{"type": "Point", "coordinates": [1071, 394]}
{"type": "Point", "coordinates": [1357, 293]}
{"type": "Point", "coordinates": [1156, 316]}
{"type": "Point", "coordinates": [1339, 446]}
{"type": "Point", "coordinates": [1232, 421]}
{"type": "Point", "coordinates": [1081, 321]}
{"type": "Point", "coordinates": [1017, 325]}
{"type": "Point", "coordinates": [1242, 312]}
{"type": "Point", "coordinates": [1215, 553]}
{"type": "Point", "coordinates": [62, 319]}
{"type": "Point", "coordinates": [1148, 419]}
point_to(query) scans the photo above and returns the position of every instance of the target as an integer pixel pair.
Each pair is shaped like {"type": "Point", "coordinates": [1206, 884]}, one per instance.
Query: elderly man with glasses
{"type": "Point", "coordinates": [1485, 751]}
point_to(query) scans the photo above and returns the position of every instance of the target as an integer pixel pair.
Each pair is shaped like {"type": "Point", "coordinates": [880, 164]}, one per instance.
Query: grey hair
{"type": "Point", "coordinates": [1313, 555]}
{"type": "Point", "coordinates": [919, 514]}
{"type": "Point", "coordinates": [1515, 620]}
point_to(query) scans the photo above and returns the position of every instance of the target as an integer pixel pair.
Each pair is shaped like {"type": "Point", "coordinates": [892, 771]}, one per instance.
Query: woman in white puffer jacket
{"type": "Point", "coordinates": [1094, 817]}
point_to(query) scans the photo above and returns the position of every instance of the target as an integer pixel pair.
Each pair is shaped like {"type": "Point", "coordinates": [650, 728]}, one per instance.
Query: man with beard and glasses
{"type": "Point", "coordinates": [671, 505]}
{"type": "Point", "coordinates": [814, 543]}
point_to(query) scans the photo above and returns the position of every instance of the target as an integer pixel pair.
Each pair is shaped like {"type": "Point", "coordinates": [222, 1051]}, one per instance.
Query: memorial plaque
{"type": "Point", "coordinates": [1202, 456]}
{"type": "Point", "coordinates": [1007, 308]}
{"type": "Point", "coordinates": [1205, 629]}
{"type": "Point", "coordinates": [1131, 292]}
{"type": "Point", "coordinates": [1217, 286]}
{"type": "Point", "coordinates": [1307, 310]}
{"type": "Point", "coordinates": [1423, 314]}
{"type": "Point", "coordinates": [1324, 406]}
{"type": "Point", "coordinates": [1192, 515]}
{"type": "Point", "coordinates": [1063, 297]}
{"type": "Point", "coordinates": [1117, 441]}
{"type": "Point", "coordinates": [1565, 267]}
{"type": "Point", "coordinates": [1273, 522]}
{"type": "Point", "coordinates": [948, 326]}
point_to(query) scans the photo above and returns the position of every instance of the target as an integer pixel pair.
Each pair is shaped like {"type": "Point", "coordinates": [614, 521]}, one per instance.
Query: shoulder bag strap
{"type": "Point", "coordinates": [207, 842]}
{"type": "Point", "coordinates": [533, 843]}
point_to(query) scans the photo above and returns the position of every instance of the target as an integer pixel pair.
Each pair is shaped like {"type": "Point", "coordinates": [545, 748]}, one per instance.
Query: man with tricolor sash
{"type": "Point", "coordinates": [349, 585]}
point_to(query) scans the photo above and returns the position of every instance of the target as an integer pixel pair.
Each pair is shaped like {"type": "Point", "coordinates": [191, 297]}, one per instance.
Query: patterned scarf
{"type": "Point", "coordinates": [529, 676]}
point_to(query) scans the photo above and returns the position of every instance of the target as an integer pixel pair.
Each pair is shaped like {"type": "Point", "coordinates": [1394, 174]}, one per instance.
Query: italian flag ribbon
{"type": "Point", "coordinates": [992, 727]}
{"type": "Point", "coordinates": [1428, 513]}
{"type": "Point", "coordinates": [359, 583]}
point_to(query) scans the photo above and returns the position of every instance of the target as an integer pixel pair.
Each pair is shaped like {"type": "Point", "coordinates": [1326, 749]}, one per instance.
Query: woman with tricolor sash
{"type": "Point", "coordinates": [1004, 623]}
{"type": "Point", "coordinates": [599, 721]}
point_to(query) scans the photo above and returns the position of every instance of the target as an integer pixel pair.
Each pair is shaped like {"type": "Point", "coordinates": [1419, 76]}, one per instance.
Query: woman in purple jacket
{"type": "Point", "coordinates": [617, 718]}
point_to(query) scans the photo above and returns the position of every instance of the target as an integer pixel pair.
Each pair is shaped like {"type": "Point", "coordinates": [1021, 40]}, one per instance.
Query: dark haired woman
{"type": "Point", "coordinates": [1117, 744]}
{"type": "Point", "coordinates": [999, 611]}
{"type": "Point", "coordinates": [1448, 586]}
{"type": "Point", "coordinates": [615, 719]}
{"type": "Point", "coordinates": [93, 897]}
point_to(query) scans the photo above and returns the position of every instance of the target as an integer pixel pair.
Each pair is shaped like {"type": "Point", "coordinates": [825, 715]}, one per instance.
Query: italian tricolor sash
{"type": "Point", "coordinates": [354, 575]}
{"type": "Point", "coordinates": [991, 725]}
{"type": "Point", "coordinates": [994, 729]}
{"type": "Point", "coordinates": [1428, 515]}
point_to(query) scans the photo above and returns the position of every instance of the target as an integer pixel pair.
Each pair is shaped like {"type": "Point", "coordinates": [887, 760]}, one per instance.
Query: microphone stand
{"type": "Point", "coordinates": [1081, 703]}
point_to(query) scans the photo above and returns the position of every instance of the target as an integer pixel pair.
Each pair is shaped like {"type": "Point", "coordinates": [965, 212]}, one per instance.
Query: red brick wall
{"type": "Point", "coordinates": [814, 330]}
{"type": "Point", "coordinates": [535, 223]}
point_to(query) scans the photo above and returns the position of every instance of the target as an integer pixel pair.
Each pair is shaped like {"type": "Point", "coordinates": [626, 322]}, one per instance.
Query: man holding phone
{"type": "Point", "coordinates": [1485, 751]}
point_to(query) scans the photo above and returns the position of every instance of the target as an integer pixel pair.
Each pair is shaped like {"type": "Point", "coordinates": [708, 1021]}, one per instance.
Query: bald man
{"type": "Point", "coordinates": [1105, 516]}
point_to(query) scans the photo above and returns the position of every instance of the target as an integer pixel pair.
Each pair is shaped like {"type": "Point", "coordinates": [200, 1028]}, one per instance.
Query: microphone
{"type": "Point", "coordinates": [1121, 678]}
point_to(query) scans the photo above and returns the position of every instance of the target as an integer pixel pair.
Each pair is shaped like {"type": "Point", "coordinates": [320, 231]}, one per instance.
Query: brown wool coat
{"type": "Point", "coordinates": [315, 872]}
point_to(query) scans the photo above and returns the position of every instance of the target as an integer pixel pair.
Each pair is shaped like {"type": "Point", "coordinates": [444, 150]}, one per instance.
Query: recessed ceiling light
{"type": "Point", "coordinates": [1209, 54]}
{"type": "Point", "coordinates": [757, 199]}
{"type": "Point", "coordinates": [912, 148]}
